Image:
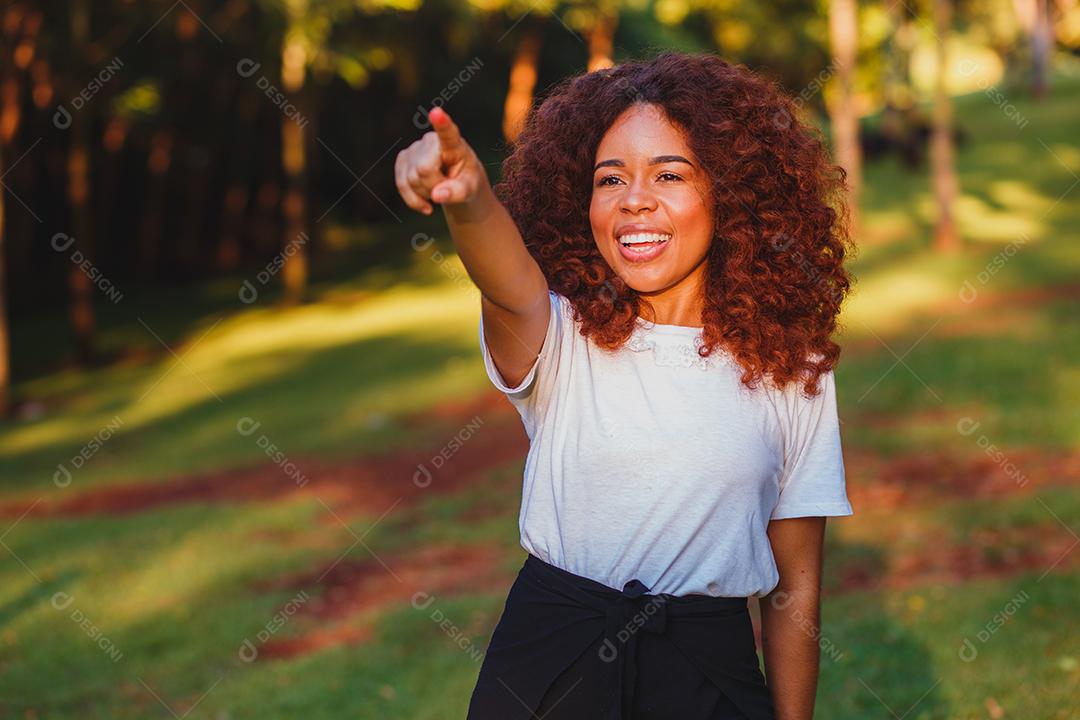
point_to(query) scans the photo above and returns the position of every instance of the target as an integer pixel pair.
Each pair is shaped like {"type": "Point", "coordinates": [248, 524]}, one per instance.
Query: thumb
{"type": "Point", "coordinates": [450, 191]}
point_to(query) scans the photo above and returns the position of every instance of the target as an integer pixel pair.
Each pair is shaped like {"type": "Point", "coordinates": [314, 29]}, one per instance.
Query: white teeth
{"type": "Point", "coordinates": [638, 238]}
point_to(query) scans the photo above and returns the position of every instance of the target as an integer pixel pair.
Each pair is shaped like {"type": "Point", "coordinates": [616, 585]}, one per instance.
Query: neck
{"type": "Point", "coordinates": [681, 304]}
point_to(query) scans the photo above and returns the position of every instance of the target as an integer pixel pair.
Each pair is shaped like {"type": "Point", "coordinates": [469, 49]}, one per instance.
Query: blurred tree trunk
{"type": "Point", "coordinates": [158, 162]}
{"type": "Point", "coordinates": [78, 195]}
{"type": "Point", "coordinates": [294, 163]}
{"type": "Point", "coordinates": [9, 125]}
{"type": "Point", "coordinates": [843, 34]}
{"type": "Point", "coordinates": [5, 365]}
{"type": "Point", "coordinates": [942, 151]}
{"type": "Point", "coordinates": [602, 40]}
{"type": "Point", "coordinates": [523, 74]}
{"type": "Point", "coordinates": [898, 90]}
{"type": "Point", "coordinates": [229, 251]}
{"type": "Point", "coordinates": [199, 159]}
{"type": "Point", "coordinates": [113, 137]}
{"type": "Point", "coordinates": [1034, 18]}
{"type": "Point", "coordinates": [1042, 39]}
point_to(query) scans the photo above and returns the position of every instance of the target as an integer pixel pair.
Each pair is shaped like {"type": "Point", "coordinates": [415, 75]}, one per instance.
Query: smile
{"type": "Point", "coordinates": [642, 247]}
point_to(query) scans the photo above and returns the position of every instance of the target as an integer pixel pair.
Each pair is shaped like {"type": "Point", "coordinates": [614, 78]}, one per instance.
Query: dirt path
{"type": "Point", "coordinates": [370, 484]}
{"type": "Point", "coordinates": [347, 597]}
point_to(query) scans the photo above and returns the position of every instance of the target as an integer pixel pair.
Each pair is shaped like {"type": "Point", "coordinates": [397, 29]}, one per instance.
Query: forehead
{"type": "Point", "coordinates": [642, 130]}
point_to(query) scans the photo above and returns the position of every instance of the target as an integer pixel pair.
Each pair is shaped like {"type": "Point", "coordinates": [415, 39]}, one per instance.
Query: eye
{"type": "Point", "coordinates": [604, 180]}
{"type": "Point", "coordinates": [670, 175]}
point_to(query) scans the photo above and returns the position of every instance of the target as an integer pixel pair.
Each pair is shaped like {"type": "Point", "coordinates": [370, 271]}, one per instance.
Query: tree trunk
{"type": "Point", "coordinates": [78, 195]}
{"type": "Point", "coordinates": [942, 152]}
{"type": "Point", "coordinates": [5, 364]}
{"type": "Point", "coordinates": [1042, 38]}
{"type": "Point", "coordinates": [294, 163]}
{"type": "Point", "coordinates": [519, 96]}
{"type": "Point", "coordinates": [843, 30]}
{"type": "Point", "coordinates": [154, 204]}
{"type": "Point", "coordinates": [229, 253]}
{"type": "Point", "coordinates": [601, 41]}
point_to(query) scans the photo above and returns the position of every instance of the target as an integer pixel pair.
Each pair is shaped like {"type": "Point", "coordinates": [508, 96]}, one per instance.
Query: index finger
{"type": "Point", "coordinates": [446, 129]}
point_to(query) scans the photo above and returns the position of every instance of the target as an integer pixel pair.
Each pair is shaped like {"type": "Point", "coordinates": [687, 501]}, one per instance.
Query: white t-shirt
{"type": "Point", "coordinates": [654, 463]}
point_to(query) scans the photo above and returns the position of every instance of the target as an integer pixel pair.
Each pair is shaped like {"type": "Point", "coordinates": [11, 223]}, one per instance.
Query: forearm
{"type": "Point", "coordinates": [493, 252]}
{"type": "Point", "coordinates": [790, 630]}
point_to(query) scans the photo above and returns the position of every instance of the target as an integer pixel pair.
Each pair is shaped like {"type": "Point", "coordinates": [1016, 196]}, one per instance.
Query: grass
{"type": "Point", "coordinates": [173, 590]}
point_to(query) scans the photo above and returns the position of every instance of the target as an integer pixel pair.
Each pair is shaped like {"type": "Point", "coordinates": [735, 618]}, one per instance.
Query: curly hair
{"type": "Point", "coordinates": [774, 271]}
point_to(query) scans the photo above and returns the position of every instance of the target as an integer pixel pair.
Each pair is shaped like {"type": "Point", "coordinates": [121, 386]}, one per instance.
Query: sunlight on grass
{"type": "Point", "coordinates": [886, 300]}
{"type": "Point", "coordinates": [245, 351]}
{"type": "Point", "coordinates": [979, 220]}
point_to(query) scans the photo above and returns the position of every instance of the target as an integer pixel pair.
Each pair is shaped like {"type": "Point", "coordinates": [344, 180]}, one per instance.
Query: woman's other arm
{"type": "Point", "coordinates": [790, 616]}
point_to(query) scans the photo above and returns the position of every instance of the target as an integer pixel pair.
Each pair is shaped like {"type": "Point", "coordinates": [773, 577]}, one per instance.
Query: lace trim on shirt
{"type": "Point", "coordinates": [674, 351]}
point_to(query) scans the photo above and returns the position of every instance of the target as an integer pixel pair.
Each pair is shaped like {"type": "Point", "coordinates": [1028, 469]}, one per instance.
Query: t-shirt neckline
{"type": "Point", "coordinates": [669, 329]}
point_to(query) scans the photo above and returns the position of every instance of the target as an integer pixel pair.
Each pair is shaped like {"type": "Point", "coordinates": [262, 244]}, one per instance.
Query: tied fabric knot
{"type": "Point", "coordinates": [633, 610]}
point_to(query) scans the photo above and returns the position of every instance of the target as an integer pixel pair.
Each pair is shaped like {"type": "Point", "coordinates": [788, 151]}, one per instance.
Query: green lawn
{"type": "Point", "coordinates": [173, 592]}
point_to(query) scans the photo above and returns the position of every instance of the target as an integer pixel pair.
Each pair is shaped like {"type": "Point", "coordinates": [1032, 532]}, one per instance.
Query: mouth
{"type": "Point", "coordinates": [642, 247]}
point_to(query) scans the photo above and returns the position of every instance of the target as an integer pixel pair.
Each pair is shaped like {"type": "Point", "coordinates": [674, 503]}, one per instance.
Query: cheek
{"type": "Point", "coordinates": [691, 214]}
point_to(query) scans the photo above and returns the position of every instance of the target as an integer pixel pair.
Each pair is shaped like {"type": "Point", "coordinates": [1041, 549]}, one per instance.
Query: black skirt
{"type": "Point", "coordinates": [570, 648]}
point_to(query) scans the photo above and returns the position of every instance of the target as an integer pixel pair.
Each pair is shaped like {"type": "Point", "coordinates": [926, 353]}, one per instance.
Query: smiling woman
{"type": "Point", "coordinates": [662, 242]}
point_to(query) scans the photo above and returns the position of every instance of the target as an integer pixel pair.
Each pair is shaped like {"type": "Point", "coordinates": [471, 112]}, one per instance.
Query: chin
{"type": "Point", "coordinates": [644, 283]}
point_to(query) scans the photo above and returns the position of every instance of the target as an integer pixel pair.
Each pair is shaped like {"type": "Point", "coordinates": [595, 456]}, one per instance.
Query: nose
{"type": "Point", "coordinates": [638, 197]}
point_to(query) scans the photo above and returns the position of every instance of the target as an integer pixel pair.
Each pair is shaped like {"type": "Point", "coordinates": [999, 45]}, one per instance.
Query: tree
{"type": "Point", "coordinates": [942, 151]}
{"type": "Point", "coordinates": [843, 32]}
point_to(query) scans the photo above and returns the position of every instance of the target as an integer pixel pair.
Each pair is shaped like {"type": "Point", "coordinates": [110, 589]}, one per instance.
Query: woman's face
{"type": "Point", "coordinates": [650, 213]}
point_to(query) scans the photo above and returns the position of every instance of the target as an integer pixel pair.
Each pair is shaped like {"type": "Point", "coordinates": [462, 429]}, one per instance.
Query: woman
{"type": "Point", "coordinates": [660, 271]}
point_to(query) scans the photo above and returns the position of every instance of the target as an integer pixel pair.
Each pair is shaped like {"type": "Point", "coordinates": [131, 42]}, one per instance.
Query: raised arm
{"type": "Point", "coordinates": [442, 168]}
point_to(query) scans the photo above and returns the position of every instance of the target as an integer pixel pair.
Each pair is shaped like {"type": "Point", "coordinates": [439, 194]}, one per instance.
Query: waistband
{"type": "Point", "coordinates": [631, 589]}
{"type": "Point", "coordinates": [633, 610]}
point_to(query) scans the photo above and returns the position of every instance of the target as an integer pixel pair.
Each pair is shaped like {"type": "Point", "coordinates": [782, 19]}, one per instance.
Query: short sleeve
{"type": "Point", "coordinates": [812, 482]}
{"type": "Point", "coordinates": [544, 360]}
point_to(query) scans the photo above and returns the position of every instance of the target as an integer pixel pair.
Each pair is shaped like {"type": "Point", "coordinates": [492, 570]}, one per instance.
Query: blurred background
{"type": "Point", "coordinates": [251, 465]}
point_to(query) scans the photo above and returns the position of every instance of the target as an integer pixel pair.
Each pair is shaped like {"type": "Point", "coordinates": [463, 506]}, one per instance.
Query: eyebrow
{"type": "Point", "coordinates": [658, 160]}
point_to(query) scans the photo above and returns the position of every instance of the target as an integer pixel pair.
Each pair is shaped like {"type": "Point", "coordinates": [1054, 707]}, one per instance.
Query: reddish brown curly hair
{"type": "Point", "coordinates": [775, 278]}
